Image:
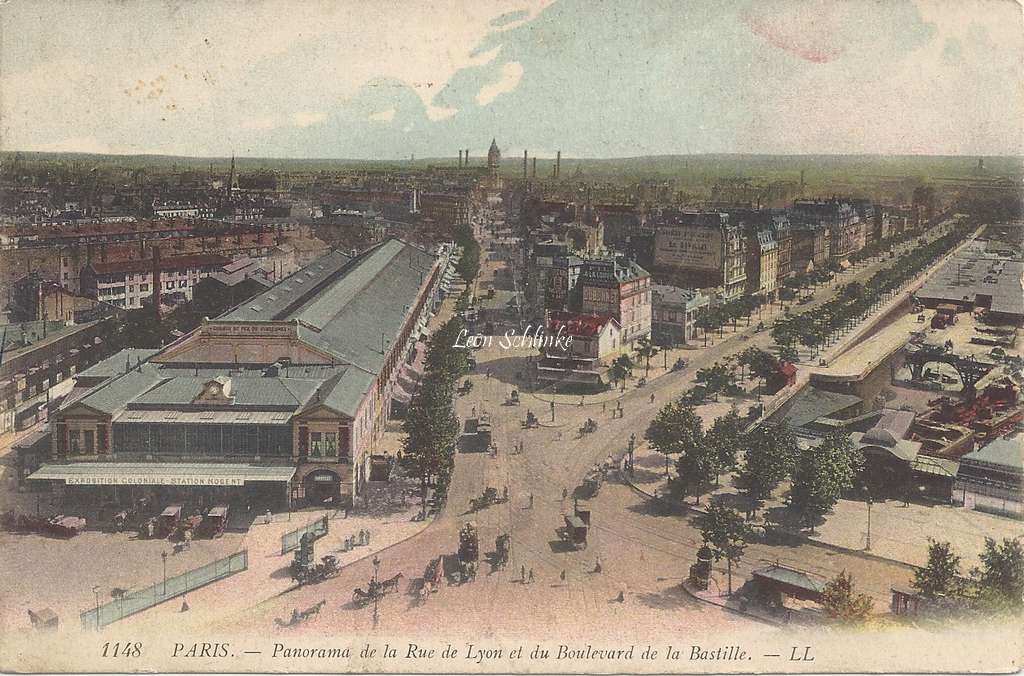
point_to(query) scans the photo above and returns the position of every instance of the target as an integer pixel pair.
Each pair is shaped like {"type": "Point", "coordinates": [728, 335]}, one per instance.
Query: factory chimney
{"type": "Point", "coordinates": [534, 167]}
{"type": "Point", "coordinates": [460, 159]}
{"type": "Point", "coordinates": [558, 164]}
{"type": "Point", "coordinates": [467, 158]}
{"type": "Point", "coordinates": [524, 163]}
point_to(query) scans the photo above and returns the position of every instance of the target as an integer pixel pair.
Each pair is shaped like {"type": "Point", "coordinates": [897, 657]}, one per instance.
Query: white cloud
{"type": "Point", "coordinates": [305, 119]}
{"type": "Point", "coordinates": [437, 113]}
{"type": "Point", "coordinates": [384, 115]}
{"type": "Point", "coordinates": [511, 74]}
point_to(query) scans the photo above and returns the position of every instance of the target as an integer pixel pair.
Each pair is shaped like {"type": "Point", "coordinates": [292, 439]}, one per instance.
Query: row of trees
{"type": "Point", "coordinates": [711, 319]}
{"type": "Point", "coordinates": [431, 426]}
{"type": "Point", "coordinates": [762, 459]}
{"type": "Point", "coordinates": [998, 584]}
{"type": "Point", "coordinates": [822, 326]}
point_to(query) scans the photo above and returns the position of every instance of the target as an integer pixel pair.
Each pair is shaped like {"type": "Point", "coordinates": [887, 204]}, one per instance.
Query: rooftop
{"type": "Point", "coordinates": [1007, 451]}
{"type": "Point", "coordinates": [971, 274]}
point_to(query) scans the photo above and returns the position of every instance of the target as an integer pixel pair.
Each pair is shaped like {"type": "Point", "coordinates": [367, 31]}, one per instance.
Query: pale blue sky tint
{"type": "Point", "coordinates": [597, 79]}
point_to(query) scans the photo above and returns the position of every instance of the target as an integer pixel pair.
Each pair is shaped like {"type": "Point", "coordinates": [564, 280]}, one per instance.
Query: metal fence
{"type": "Point", "coordinates": [290, 541]}
{"type": "Point", "coordinates": [136, 601]}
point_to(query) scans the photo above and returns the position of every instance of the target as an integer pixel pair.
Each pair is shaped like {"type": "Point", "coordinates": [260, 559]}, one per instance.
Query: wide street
{"type": "Point", "coordinates": [645, 553]}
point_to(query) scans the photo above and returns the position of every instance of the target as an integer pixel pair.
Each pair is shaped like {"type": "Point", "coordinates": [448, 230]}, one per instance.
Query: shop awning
{"type": "Point", "coordinates": [161, 474]}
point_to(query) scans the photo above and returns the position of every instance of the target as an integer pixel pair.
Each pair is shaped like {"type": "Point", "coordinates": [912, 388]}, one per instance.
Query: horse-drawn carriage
{"type": "Point", "coordinates": [318, 572]}
{"type": "Point", "coordinates": [375, 590]}
{"type": "Point", "coordinates": [574, 532]}
{"type": "Point", "coordinates": [513, 399]}
{"type": "Point", "coordinates": [168, 520]}
{"type": "Point", "coordinates": [466, 387]}
{"type": "Point", "coordinates": [468, 554]}
{"type": "Point", "coordinates": [589, 427]}
{"type": "Point", "coordinates": [214, 523]}
{"type": "Point", "coordinates": [64, 526]}
{"type": "Point", "coordinates": [487, 498]}
{"type": "Point", "coordinates": [502, 550]}
{"type": "Point", "coordinates": [531, 420]}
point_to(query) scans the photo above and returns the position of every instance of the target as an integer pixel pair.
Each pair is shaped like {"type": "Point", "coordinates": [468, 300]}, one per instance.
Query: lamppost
{"type": "Point", "coordinates": [96, 592]}
{"type": "Point", "coordinates": [376, 591]}
{"type": "Point", "coordinates": [163, 555]}
{"type": "Point", "coordinates": [632, 446]}
{"type": "Point", "coordinates": [867, 548]}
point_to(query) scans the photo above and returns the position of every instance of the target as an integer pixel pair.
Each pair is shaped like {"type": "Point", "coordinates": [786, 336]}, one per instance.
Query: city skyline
{"type": "Point", "coordinates": [915, 78]}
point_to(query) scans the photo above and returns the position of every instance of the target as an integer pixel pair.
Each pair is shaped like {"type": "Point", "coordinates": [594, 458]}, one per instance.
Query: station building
{"type": "Point", "coordinates": [280, 401]}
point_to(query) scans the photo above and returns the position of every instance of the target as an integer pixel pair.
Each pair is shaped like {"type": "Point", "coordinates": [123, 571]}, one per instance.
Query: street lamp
{"type": "Point", "coordinates": [163, 555]}
{"type": "Point", "coordinates": [867, 548]}
{"type": "Point", "coordinates": [376, 593]}
{"type": "Point", "coordinates": [96, 592]}
{"type": "Point", "coordinates": [632, 445]}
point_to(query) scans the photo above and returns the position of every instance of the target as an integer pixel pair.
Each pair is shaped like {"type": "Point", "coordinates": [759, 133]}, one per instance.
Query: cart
{"type": "Point", "coordinates": [502, 550]}
{"type": "Point", "coordinates": [168, 521]}
{"type": "Point", "coordinates": [574, 532]}
{"type": "Point", "coordinates": [513, 399]}
{"type": "Point", "coordinates": [65, 526]}
{"type": "Point", "coordinates": [531, 420]}
{"type": "Point", "coordinates": [469, 552]}
{"type": "Point", "coordinates": [44, 620]}
{"type": "Point", "coordinates": [215, 522]}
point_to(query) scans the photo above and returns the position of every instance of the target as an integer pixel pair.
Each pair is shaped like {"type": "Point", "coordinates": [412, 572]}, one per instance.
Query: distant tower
{"type": "Point", "coordinates": [493, 158]}
{"type": "Point", "coordinates": [232, 178]}
{"type": "Point", "coordinates": [981, 166]}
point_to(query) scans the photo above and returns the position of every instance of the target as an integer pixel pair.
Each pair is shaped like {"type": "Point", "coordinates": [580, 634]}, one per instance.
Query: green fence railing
{"type": "Point", "coordinates": [136, 601]}
{"type": "Point", "coordinates": [318, 528]}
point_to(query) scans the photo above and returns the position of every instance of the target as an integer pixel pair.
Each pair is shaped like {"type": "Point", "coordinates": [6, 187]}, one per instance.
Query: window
{"type": "Point", "coordinates": [323, 444]}
{"type": "Point", "coordinates": [74, 443]}
{"type": "Point", "coordinates": [132, 288]}
{"type": "Point", "coordinates": [102, 443]}
{"type": "Point", "coordinates": [183, 284]}
{"type": "Point", "coordinates": [143, 287]}
{"type": "Point", "coordinates": [169, 286]}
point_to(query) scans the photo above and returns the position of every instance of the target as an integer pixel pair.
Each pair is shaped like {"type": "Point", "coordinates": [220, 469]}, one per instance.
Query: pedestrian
{"type": "Point", "coordinates": [561, 576]}
{"type": "Point", "coordinates": [150, 528]}
{"type": "Point", "coordinates": [522, 574]}
{"type": "Point", "coordinates": [474, 412]}
{"type": "Point", "coordinates": [652, 397]}
{"type": "Point", "coordinates": [504, 494]}
{"type": "Point", "coordinates": [531, 576]}
{"type": "Point", "coordinates": [367, 537]}
{"type": "Point", "coordinates": [188, 539]}
{"type": "Point", "coordinates": [565, 493]}
{"type": "Point", "coordinates": [621, 598]}
{"type": "Point", "coordinates": [581, 402]}
{"type": "Point", "coordinates": [267, 517]}
{"type": "Point", "coordinates": [604, 406]}
{"type": "Point", "coordinates": [184, 604]}
{"type": "Point", "coordinates": [597, 566]}
{"type": "Point", "coordinates": [531, 501]}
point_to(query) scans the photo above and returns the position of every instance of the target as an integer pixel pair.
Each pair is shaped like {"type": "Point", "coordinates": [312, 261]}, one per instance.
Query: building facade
{"type": "Point", "coordinates": [619, 288]}
{"type": "Point", "coordinates": [674, 313]}
{"type": "Point", "coordinates": [126, 284]}
{"type": "Point", "coordinates": [282, 399]}
{"type": "Point", "coordinates": [700, 249]}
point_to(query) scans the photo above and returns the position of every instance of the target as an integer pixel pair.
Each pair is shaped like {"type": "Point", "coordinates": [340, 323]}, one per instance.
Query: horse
{"type": "Point", "coordinates": [391, 584]}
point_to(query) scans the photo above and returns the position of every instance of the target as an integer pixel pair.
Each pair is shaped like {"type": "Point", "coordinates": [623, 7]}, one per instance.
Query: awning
{"type": "Point", "coordinates": [400, 395]}
{"type": "Point", "coordinates": [161, 474]}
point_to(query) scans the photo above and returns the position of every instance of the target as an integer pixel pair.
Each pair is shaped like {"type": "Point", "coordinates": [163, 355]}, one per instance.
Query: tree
{"type": "Point", "coordinates": [724, 439]}
{"type": "Point", "coordinates": [716, 379]}
{"type": "Point", "coordinates": [821, 475]}
{"type": "Point", "coordinates": [941, 575]}
{"type": "Point", "coordinates": [725, 532]}
{"type": "Point", "coordinates": [770, 453]}
{"type": "Point", "coordinates": [431, 430]}
{"type": "Point", "coordinates": [1000, 579]}
{"type": "Point", "coordinates": [442, 357]}
{"type": "Point", "coordinates": [622, 367]}
{"type": "Point", "coordinates": [676, 428]}
{"type": "Point", "coordinates": [646, 350]}
{"type": "Point", "coordinates": [842, 601]}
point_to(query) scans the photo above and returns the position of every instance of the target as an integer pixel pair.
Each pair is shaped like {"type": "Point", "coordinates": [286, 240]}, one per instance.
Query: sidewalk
{"type": "Point", "coordinates": [898, 533]}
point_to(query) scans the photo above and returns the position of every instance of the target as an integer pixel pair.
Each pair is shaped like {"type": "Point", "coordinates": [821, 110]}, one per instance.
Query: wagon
{"type": "Point", "coordinates": [65, 526]}
{"type": "Point", "coordinates": [169, 519]}
{"type": "Point", "coordinates": [215, 522]}
{"type": "Point", "coordinates": [574, 532]}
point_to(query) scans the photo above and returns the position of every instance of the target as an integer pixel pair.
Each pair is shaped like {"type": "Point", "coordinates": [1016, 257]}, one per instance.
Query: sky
{"type": "Point", "coordinates": [592, 78]}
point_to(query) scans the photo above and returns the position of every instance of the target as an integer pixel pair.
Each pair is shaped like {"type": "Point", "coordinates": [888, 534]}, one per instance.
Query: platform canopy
{"type": "Point", "coordinates": [161, 474]}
